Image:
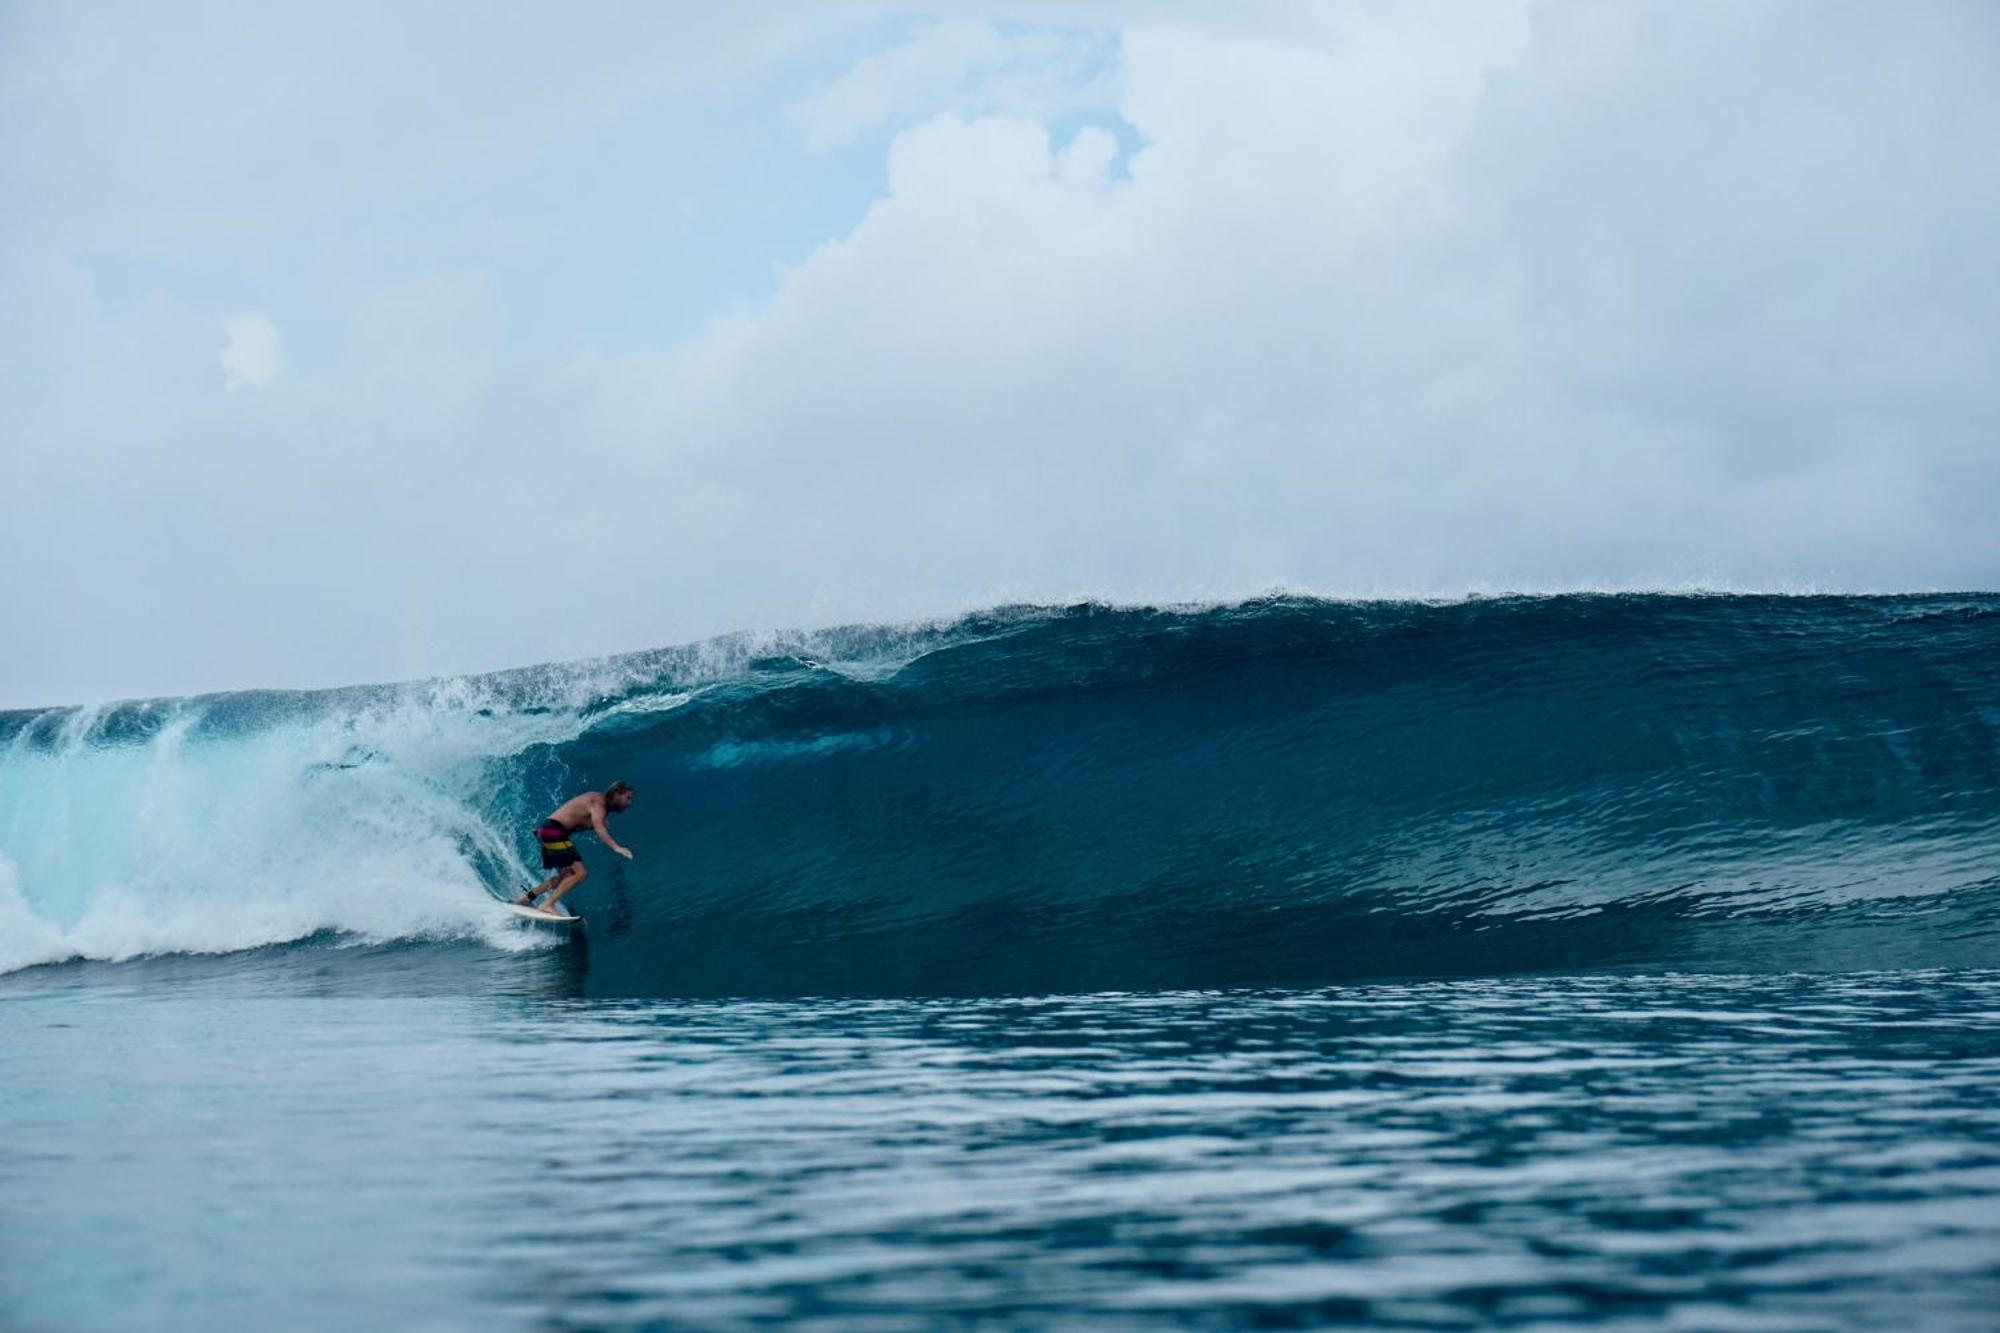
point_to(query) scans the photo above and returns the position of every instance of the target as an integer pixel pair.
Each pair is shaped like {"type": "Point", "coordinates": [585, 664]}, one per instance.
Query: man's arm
{"type": "Point", "coordinates": [603, 833]}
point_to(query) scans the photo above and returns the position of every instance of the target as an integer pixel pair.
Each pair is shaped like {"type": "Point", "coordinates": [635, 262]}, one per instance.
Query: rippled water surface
{"type": "Point", "coordinates": [1701, 1152]}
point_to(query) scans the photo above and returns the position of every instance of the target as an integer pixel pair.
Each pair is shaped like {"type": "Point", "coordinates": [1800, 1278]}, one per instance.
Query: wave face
{"type": "Point", "coordinates": [1279, 792]}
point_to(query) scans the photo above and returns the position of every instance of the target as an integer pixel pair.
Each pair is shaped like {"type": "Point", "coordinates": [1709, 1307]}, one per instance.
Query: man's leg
{"type": "Point", "coordinates": [570, 879]}
{"type": "Point", "coordinates": [527, 898]}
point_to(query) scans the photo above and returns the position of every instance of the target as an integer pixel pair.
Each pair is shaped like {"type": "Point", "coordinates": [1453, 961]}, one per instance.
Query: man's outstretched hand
{"type": "Point", "coordinates": [625, 852]}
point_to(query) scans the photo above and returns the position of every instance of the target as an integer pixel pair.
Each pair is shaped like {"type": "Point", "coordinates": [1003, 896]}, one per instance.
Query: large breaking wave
{"type": "Point", "coordinates": [1083, 798]}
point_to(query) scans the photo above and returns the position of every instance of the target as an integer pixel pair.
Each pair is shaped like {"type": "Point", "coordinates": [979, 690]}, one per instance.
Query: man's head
{"type": "Point", "coordinates": [618, 795]}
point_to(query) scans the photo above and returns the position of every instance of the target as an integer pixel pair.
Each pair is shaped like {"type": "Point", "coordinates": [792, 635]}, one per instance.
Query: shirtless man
{"type": "Point", "coordinates": [559, 852]}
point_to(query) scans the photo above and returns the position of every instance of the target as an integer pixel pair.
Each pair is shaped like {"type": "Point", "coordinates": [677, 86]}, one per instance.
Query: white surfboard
{"type": "Point", "coordinates": [537, 915]}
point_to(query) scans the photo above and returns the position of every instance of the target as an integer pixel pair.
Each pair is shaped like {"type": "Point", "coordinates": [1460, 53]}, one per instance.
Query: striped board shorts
{"type": "Point", "coordinates": [557, 849]}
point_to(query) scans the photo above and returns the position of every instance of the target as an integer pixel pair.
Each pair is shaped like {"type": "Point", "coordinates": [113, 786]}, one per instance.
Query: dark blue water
{"type": "Point", "coordinates": [1621, 961]}
{"type": "Point", "coordinates": [1638, 1152]}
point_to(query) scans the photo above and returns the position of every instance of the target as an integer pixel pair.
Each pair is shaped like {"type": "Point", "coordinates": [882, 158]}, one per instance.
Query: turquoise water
{"type": "Point", "coordinates": [1606, 1151]}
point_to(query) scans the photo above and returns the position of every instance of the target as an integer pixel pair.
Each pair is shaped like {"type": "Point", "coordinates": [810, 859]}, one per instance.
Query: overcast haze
{"type": "Point", "coordinates": [372, 342]}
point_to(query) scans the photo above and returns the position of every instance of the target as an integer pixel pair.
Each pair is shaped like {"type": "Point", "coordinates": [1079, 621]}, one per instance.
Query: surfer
{"type": "Point", "coordinates": [559, 852]}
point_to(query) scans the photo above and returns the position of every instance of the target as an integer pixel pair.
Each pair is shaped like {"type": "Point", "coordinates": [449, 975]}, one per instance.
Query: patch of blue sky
{"type": "Point", "coordinates": [1064, 129]}
{"type": "Point", "coordinates": [636, 240]}
{"type": "Point", "coordinates": [687, 207]}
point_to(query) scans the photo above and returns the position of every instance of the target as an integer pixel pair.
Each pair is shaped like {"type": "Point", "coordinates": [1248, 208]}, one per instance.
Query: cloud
{"type": "Point", "coordinates": [967, 65]}
{"type": "Point", "coordinates": [918, 75]}
{"type": "Point", "coordinates": [1545, 296]}
{"type": "Point", "coordinates": [250, 355]}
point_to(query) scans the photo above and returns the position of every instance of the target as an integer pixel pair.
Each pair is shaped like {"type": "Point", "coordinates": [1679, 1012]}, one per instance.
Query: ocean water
{"type": "Point", "coordinates": [1620, 961]}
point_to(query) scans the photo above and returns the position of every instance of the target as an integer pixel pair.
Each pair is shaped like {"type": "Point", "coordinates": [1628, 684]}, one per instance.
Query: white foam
{"type": "Point", "coordinates": [375, 821]}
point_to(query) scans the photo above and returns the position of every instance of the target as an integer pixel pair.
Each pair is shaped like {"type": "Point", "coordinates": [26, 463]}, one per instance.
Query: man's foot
{"type": "Point", "coordinates": [527, 899]}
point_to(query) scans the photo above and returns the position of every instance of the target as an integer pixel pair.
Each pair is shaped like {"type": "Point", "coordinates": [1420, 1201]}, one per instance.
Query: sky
{"type": "Point", "coordinates": [366, 342]}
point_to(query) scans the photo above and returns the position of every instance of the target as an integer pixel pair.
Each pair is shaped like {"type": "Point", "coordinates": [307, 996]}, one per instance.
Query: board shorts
{"type": "Point", "coordinates": [557, 849]}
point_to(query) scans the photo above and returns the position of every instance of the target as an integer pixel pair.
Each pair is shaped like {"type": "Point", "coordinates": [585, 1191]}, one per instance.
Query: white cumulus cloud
{"type": "Point", "coordinates": [967, 65]}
